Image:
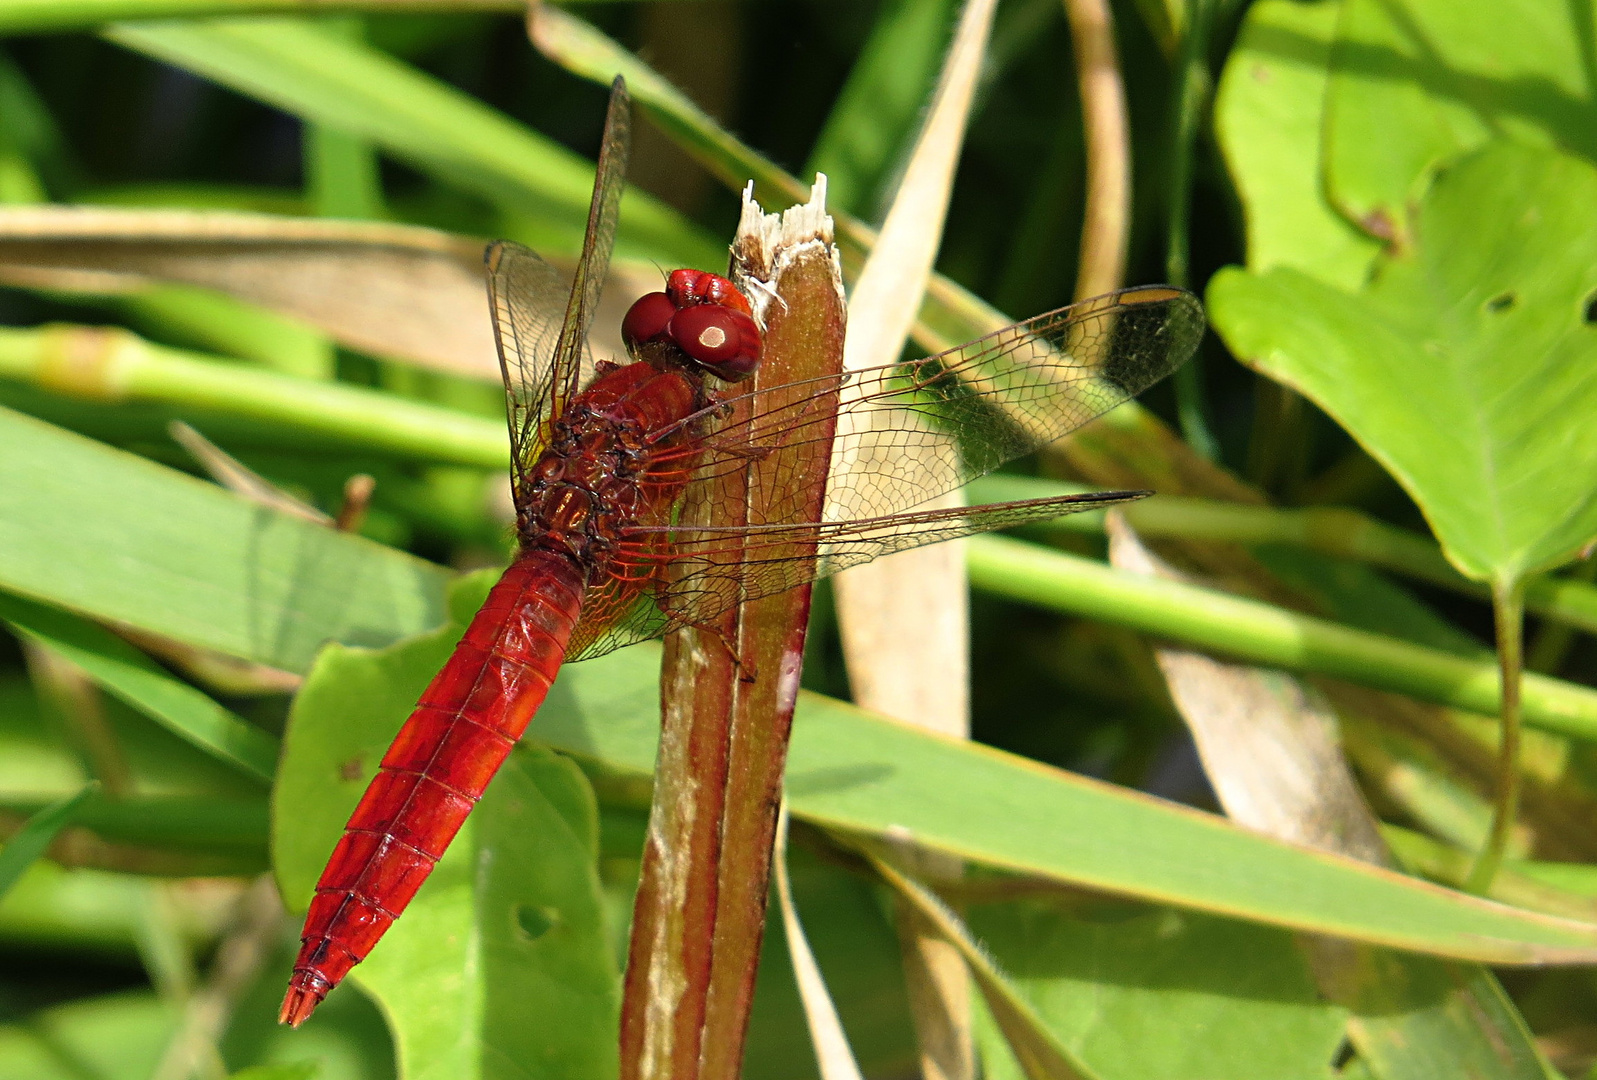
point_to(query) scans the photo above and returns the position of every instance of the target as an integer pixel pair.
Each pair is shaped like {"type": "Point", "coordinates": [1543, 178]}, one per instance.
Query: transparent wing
{"type": "Point", "coordinates": [525, 295]}
{"type": "Point", "coordinates": [905, 433]}
{"type": "Point", "coordinates": [543, 346]}
{"type": "Point", "coordinates": [910, 431]}
{"type": "Point", "coordinates": [711, 570]}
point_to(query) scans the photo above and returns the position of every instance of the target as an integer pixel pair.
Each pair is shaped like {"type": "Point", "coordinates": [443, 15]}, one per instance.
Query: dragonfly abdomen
{"type": "Point", "coordinates": [438, 766]}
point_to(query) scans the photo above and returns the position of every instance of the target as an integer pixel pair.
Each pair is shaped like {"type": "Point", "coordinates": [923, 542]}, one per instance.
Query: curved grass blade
{"type": "Point", "coordinates": [31, 841]}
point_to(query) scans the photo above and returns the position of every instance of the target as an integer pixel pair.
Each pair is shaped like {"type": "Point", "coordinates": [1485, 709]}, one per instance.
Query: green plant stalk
{"type": "Point", "coordinates": [1192, 92]}
{"type": "Point", "coordinates": [1515, 882]}
{"type": "Point", "coordinates": [111, 365]}
{"type": "Point", "coordinates": [1335, 531]}
{"type": "Point", "coordinates": [1259, 633]}
{"type": "Point", "coordinates": [1509, 615]}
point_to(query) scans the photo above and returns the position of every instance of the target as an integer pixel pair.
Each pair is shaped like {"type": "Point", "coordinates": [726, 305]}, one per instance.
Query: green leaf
{"type": "Point", "coordinates": [1268, 119]}
{"type": "Point", "coordinates": [1466, 367]}
{"type": "Point", "coordinates": [31, 841]}
{"type": "Point", "coordinates": [96, 530]}
{"type": "Point", "coordinates": [1164, 993]}
{"type": "Point", "coordinates": [364, 92]}
{"type": "Point", "coordinates": [1415, 83]}
{"type": "Point", "coordinates": [298, 1070]}
{"type": "Point", "coordinates": [503, 956]}
{"type": "Point", "coordinates": [111, 1037]}
{"type": "Point", "coordinates": [853, 771]}
{"type": "Point", "coordinates": [138, 681]}
{"type": "Point", "coordinates": [875, 115]}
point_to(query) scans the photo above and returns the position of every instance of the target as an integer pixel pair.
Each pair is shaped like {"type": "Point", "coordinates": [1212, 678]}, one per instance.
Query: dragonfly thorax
{"type": "Point", "coordinates": [593, 481]}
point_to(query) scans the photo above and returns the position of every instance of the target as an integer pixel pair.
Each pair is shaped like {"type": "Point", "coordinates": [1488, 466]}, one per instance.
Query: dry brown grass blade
{"type": "Point", "coordinates": [1269, 747]}
{"type": "Point", "coordinates": [1106, 228]}
{"type": "Point", "coordinates": [398, 291]}
{"type": "Point", "coordinates": [728, 692]}
{"type": "Point", "coordinates": [1268, 743]}
{"type": "Point", "coordinates": [832, 1053]}
{"type": "Point", "coordinates": [903, 619]}
{"type": "Point", "coordinates": [395, 290]}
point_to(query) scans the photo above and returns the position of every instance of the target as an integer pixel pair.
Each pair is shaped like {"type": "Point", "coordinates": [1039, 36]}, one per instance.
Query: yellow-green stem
{"type": "Point", "coordinates": [1508, 612]}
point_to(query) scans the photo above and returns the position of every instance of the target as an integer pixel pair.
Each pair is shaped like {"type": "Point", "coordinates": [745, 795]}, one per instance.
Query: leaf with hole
{"type": "Point", "coordinates": [1468, 367]}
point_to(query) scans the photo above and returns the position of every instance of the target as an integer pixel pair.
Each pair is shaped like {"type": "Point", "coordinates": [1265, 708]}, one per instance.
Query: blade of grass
{"type": "Point", "coordinates": [117, 537]}
{"type": "Point", "coordinates": [394, 290]}
{"type": "Point", "coordinates": [125, 672]}
{"type": "Point", "coordinates": [903, 619]}
{"type": "Point", "coordinates": [1106, 228]}
{"type": "Point", "coordinates": [417, 118]}
{"type": "Point", "coordinates": [28, 843]}
{"type": "Point", "coordinates": [827, 1038]}
{"type": "Point", "coordinates": [32, 16]}
{"type": "Point", "coordinates": [1039, 1053]}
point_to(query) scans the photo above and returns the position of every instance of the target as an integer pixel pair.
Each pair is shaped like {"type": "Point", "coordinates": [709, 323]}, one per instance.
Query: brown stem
{"type": "Point", "coordinates": [1106, 229]}
{"type": "Point", "coordinates": [728, 693]}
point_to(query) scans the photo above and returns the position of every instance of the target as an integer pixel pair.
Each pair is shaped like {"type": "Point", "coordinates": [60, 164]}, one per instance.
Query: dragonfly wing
{"type": "Point", "coordinates": [712, 570]}
{"type": "Point", "coordinates": [543, 345]}
{"type": "Point", "coordinates": [524, 295]}
{"type": "Point", "coordinates": [598, 241]}
{"type": "Point", "coordinates": [910, 431]}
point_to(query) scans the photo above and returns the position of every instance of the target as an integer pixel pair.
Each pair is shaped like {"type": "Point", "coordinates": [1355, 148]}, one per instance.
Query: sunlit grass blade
{"type": "Point", "coordinates": [111, 366]}
{"type": "Point", "coordinates": [31, 841]}
{"type": "Point", "coordinates": [365, 92]}
{"type": "Point", "coordinates": [115, 536]}
{"type": "Point", "coordinates": [127, 673]}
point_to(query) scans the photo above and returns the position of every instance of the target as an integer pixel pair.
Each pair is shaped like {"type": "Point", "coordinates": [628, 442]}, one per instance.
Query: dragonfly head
{"type": "Point", "coordinates": [704, 317]}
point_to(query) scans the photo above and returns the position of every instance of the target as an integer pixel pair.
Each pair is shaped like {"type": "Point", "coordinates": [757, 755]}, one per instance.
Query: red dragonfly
{"type": "Point", "coordinates": [601, 458]}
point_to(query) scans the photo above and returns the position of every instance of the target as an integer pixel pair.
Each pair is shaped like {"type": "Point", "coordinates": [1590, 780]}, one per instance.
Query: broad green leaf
{"type": "Point", "coordinates": [364, 92]}
{"type": "Point", "coordinates": [31, 841]}
{"type": "Point", "coordinates": [1268, 119]}
{"type": "Point", "coordinates": [1414, 83]}
{"type": "Point", "coordinates": [99, 531]}
{"type": "Point", "coordinates": [112, 1037]}
{"type": "Point", "coordinates": [503, 957]}
{"type": "Point", "coordinates": [1466, 368]}
{"type": "Point", "coordinates": [124, 671]}
{"type": "Point", "coordinates": [502, 966]}
{"type": "Point", "coordinates": [299, 1070]}
{"type": "Point", "coordinates": [1163, 993]}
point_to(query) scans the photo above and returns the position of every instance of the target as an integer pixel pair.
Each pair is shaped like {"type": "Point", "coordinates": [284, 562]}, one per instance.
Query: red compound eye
{"type": "Point", "coordinates": [722, 339]}
{"type": "Point", "coordinates": [647, 319]}
{"type": "Point", "coordinates": [688, 287]}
